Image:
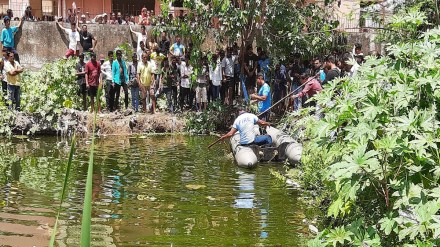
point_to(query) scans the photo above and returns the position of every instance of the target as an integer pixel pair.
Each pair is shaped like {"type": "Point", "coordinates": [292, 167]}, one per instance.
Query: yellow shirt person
{"type": "Point", "coordinates": [144, 72]}
{"type": "Point", "coordinates": [13, 79]}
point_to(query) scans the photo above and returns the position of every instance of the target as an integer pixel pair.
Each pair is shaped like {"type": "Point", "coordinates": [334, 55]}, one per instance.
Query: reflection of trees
{"type": "Point", "coordinates": [141, 191]}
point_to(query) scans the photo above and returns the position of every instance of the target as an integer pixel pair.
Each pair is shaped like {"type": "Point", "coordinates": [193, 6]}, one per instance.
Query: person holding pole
{"type": "Point", "coordinates": [311, 87]}
{"type": "Point", "coordinates": [244, 124]}
{"type": "Point", "coordinates": [263, 97]}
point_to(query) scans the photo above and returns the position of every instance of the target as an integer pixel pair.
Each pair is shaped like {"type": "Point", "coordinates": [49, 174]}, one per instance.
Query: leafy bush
{"type": "Point", "coordinates": [44, 94]}
{"type": "Point", "coordinates": [216, 117]}
{"type": "Point", "coordinates": [376, 149]}
{"type": "Point", "coordinates": [50, 89]}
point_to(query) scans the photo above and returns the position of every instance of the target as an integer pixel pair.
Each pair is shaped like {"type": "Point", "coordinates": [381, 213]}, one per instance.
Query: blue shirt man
{"type": "Point", "coordinates": [177, 49]}
{"type": "Point", "coordinates": [263, 97]}
{"type": "Point", "coordinates": [7, 37]}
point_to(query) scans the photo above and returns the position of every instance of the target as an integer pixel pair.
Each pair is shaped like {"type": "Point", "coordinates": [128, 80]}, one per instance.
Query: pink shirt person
{"type": "Point", "coordinates": [311, 88]}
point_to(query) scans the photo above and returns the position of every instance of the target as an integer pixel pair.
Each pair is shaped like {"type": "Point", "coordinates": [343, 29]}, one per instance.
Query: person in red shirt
{"type": "Point", "coordinates": [311, 88]}
{"type": "Point", "coordinates": [93, 79]}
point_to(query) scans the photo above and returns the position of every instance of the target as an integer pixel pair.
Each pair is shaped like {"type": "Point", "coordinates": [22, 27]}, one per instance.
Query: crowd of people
{"type": "Point", "coordinates": [159, 66]}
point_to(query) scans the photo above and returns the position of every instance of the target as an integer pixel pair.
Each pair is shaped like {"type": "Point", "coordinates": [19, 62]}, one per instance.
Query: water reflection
{"type": "Point", "coordinates": [245, 198]}
{"type": "Point", "coordinates": [159, 191]}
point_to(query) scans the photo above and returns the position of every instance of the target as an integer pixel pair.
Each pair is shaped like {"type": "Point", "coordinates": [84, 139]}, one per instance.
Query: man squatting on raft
{"type": "Point", "coordinates": [244, 124]}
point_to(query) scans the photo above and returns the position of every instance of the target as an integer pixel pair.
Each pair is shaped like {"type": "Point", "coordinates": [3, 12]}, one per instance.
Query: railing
{"type": "Point", "coordinates": [362, 23]}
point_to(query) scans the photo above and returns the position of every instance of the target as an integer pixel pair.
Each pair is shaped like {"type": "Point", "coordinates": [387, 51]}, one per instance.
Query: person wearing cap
{"type": "Point", "coordinates": [81, 80]}
{"type": "Point", "coordinates": [263, 97]}
{"type": "Point", "coordinates": [74, 39]}
{"type": "Point", "coordinates": [83, 19]}
{"type": "Point", "coordinates": [244, 124]}
{"type": "Point", "coordinates": [93, 80]}
{"type": "Point", "coordinates": [7, 37]}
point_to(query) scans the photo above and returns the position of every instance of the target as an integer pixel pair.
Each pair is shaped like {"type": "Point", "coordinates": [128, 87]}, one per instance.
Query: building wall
{"type": "Point", "coordinates": [348, 13]}
{"type": "Point", "coordinates": [100, 6]}
{"type": "Point", "coordinates": [94, 7]}
{"type": "Point", "coordinates": [4, 5]}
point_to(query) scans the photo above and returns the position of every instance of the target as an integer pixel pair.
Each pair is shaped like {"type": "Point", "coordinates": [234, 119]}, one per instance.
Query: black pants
{"type": "Point", "coordinates": [5, 92]}
{"type": "Point", "coordinates": [174, 90]}
{"type": "Point", "coordinates": [191, 98]}
{"type": "Point", "coordinates": [108, 88]}
{"type": "Point", "coordinates": [265, 117]}
{"type": "Point", "coordinates": [115, 92]}
{"type": "Point", "coordinates": [223, 89]}
{"type": "Point", "coordinates": [125, 87]}
{"type": "Point", "coordinates": [184, 96]}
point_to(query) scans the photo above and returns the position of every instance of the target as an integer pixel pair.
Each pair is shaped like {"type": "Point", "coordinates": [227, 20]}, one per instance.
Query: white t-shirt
{"type": "Point", "coordinates": [185, 70]}
{"type": "Point", "coordinates": [215, 73]}
{"type": "Point", "coordinates": [106, 69]}
{"type": "Point", "coordinates": [228, 65]}
{"type": "Point", "coordinates": [140, 37]}
{"type": "Point", "coordinates": [245, 126]}
{"type": "Point", "coordinates": [354, 69]}
{"type": "Point", "coordinates": [73, 39]}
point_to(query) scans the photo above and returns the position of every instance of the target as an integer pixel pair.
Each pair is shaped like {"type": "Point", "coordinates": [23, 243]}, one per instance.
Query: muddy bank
{"type": "Point", "coordinates": [121, 123]}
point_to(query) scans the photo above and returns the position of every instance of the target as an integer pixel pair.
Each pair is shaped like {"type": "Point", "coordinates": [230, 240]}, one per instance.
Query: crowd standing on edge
{"type": "Point", "coordinates": [160, 67]}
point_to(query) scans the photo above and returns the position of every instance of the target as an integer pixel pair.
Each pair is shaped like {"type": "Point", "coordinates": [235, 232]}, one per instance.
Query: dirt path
{"type": "Point", "coordinates": [121, 123]}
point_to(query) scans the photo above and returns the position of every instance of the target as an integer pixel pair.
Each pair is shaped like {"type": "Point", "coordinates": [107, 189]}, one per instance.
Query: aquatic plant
{"type": "Point", "coordinates": [86, 221]}
{"type": "Point", "coordinates": [63, 194]}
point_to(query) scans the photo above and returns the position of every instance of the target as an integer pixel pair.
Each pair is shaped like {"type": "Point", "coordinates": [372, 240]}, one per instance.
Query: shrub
{"type": "Point", "coordinates": [376, 149]}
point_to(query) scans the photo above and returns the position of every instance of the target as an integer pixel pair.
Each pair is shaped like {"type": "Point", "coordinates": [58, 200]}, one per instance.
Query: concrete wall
{"type": "Point", "coordinates": [42, 42]}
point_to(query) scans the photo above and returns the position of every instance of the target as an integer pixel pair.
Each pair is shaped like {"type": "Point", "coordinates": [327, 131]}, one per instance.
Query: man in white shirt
{"type": "Point", "coordinates": [106, 69]}
{"type": "Point", "coordinates": [215, 75]}
{"type": "Point", "coordinates": [74, 40]}
{"type": "Point", "coordinates": [185, 72]}
{"type": "Point", "coordinates": [228, 74]}
{"type": "Point", "coordinates": [141, 37]}
{"type": "Point", "coordinates": [244, 124]}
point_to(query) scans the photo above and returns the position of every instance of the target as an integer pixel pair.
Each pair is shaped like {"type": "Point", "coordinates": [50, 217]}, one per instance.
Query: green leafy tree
{"type": "Point", "coordinates": [279, 26]}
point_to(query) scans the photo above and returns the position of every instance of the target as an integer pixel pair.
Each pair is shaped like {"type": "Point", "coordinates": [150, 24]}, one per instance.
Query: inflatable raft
{"type": "Point", "coordinates": [283, 148]}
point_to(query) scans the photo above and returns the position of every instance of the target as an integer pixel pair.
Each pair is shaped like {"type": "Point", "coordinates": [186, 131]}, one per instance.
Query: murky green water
{"type": "Point", "coordinates": [152, 191]}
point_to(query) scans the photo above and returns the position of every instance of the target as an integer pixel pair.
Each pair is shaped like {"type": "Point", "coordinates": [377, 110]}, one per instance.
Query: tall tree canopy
{"type": "Point", "coordinates": [280, 26]}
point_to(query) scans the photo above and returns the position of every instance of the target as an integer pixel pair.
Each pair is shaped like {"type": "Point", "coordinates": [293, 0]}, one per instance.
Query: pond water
{"type": "Point", "coordinates": [147, 191]}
